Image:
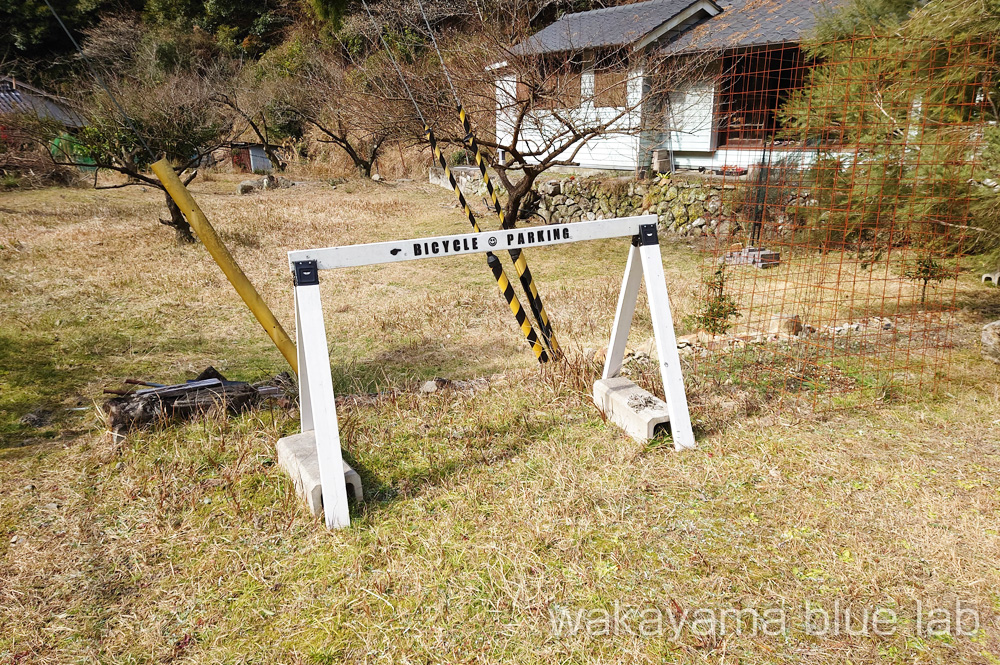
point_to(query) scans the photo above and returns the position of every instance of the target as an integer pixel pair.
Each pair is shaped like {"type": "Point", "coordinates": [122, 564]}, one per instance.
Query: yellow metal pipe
{"type": "Point", "coordinates": [196, 218]}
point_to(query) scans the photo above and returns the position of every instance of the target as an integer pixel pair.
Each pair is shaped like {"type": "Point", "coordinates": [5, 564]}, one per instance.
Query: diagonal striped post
{"type": "Point", "coordinates": [516, 255]}
{"type": "Point", "coordinates": [506, 289]}
{"type": "Point", "coordinates": [527, 281]}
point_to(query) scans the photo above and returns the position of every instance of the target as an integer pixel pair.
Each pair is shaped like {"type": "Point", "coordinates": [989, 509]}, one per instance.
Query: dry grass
{"type": "Point", "coordinates": [486, 511]}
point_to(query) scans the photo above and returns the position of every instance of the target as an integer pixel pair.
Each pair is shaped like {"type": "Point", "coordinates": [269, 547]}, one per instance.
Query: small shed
{"type": "Point", "coordinates": [20, 98]}
{"type": "Point", "coordinates": [251, 158]}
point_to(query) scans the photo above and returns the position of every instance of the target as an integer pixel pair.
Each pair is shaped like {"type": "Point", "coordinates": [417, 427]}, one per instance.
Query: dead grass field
{"type": "Point", "coordinates": [489, 515]}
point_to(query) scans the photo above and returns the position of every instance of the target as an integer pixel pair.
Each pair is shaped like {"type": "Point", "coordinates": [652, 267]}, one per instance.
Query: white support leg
{"type": "Point", "coordinates": [666, 343]}
{"type": "Point", "coordinates": [318, 398]}
{"type": "Point", "coordinates": [627, 298]}
{"type": "Point", "coordinates": [305, 407]}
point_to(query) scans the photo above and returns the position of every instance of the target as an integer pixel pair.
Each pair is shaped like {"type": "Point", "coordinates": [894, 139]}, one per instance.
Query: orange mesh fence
{"type": "Point", "coordinates": [847, 171]}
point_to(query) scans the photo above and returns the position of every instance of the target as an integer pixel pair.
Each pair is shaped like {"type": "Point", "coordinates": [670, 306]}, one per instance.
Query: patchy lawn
{"type": "Point", "coordinates": [506, 524]}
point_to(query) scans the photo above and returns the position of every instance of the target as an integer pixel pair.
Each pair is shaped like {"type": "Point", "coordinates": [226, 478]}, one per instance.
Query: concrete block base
{"type": "Point", "coordinates": [641, 414]}
{"type": "Point", "coordinates": [297, 456]}
{"type": "Point", "coordinates": [757, 257]}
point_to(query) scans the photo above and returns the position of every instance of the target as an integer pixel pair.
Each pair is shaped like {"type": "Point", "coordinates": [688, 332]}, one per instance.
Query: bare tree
{"type": "Point", "coordinates": [353, 107]}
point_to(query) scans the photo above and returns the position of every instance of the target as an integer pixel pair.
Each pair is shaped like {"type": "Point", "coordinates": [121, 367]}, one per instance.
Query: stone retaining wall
{"type": "Point", "coordinates": [683, 206]}
{"type": "Point", "coordinates": [468, 178]}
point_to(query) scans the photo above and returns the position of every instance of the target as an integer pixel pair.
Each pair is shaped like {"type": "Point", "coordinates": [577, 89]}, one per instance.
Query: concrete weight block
{"type": "Point", "coordinates": [297, 456]}
{"type": "Point", "coordinates": [641, 414]}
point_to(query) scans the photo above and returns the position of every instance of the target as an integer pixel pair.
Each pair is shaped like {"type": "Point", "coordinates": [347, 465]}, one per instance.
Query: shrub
{"type": "Point", "coordinates": [926, 270]}
{"type": "Point", "coordinates": [719, 306]}
{"type": "Point", "coordinates": [460, 157]}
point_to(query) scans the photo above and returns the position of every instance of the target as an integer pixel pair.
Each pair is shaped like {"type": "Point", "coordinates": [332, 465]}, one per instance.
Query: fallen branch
{"type": "Point", "coordinates": [209, 393]}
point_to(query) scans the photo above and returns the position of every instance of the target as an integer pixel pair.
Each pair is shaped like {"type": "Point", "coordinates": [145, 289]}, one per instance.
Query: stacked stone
{"type": "Point", "coordinates": [687, 208]}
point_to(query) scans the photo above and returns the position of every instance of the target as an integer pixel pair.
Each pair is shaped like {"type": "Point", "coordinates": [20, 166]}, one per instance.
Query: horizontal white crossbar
{"type": "Point", "coordinates": [349, 256]}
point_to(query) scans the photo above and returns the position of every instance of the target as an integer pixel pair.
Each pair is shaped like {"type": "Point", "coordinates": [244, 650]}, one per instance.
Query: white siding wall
{"type": "Point", "coordinates": [692, 117]}
{"type": "Point", "coordinates": [692, 134]}
{"type": "Point", "coordinates": [616, 149]}
{"type": "Point", "coordinates": [739, 157]}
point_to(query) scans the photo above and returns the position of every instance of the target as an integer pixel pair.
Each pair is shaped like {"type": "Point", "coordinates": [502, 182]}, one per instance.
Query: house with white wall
{"type": "Point", "coordinates": [730, 65]}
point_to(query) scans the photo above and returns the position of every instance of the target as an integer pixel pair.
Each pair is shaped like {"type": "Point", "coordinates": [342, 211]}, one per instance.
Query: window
{"type": "Point", "coordinates": [754, 85]}
{"type": "Point", "coordinates": [553, 85]}
{"type": "Point", "coordinates": [611, 88]}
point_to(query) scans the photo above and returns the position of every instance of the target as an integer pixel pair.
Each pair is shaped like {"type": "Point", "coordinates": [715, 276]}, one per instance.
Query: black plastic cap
{"type": "Point", "coordinates": [647, 235]}
{"type": "Point", "coordinates": [306, 273]}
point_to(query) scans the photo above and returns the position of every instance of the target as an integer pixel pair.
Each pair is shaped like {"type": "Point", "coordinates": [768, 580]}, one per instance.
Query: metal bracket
{"type": "Point", "coordinates": [306, 273]}
{"type": "Point", "coordinates": [647, 236]}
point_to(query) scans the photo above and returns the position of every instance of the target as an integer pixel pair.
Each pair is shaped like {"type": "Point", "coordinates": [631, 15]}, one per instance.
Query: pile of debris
{"type": "Point", "coordinates": [263, 184]}
{"type": "Point", "coordinates": [209, 392]}
{"type": "Point", "coordinates": [785, 329]}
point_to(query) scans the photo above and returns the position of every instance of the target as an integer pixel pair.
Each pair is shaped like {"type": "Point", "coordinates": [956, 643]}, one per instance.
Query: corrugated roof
{"type": "Point", "coordinates": [754, 23]}
{"type": "Point", "coordinates": [16, 97]}
{"type": "Point", "coordinates": [613, 26]}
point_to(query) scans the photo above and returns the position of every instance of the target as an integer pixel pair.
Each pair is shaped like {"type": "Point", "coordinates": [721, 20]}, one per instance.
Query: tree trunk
{"type": "Point", "coordinates": [178, 222]}
{"type": "Point", "coordinates": [516, 195]}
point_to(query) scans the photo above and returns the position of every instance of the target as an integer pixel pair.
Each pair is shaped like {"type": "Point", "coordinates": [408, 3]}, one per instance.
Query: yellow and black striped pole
{"type": "Point", "coordinates": [516, 255]}
{"type": "Point", "coordinates": [491, 260]}
{"type": "Point", "coordinates": [520, 263]}
{"type": "Point", "coordinates": [506, 289]}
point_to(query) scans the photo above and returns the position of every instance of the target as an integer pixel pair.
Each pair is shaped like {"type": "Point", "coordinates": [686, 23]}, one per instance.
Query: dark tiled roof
{"type": "Point", "coordinates": [614, 26]}
{"type": "Point", "coordinates": [754, 23]}
{"type": "Point", "coordinates": [16, 97]}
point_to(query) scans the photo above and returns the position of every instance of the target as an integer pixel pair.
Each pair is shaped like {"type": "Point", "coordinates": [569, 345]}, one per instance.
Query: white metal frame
{"type": "Point", "coordinates": [317, 403]}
